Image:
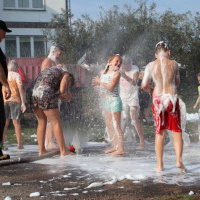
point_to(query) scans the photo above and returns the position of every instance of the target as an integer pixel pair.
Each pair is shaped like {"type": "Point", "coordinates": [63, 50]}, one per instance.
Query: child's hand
{"type": "Point", "coordinates": [23, 107]}
{"type": "Point", "coordinates": [194, 107]}
{"type": "Point", "coordinates": [96, 81]}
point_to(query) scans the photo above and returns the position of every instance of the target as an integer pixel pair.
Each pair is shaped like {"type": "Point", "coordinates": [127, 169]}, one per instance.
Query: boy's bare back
{"type": "Point", "coordinates": [165, 75]}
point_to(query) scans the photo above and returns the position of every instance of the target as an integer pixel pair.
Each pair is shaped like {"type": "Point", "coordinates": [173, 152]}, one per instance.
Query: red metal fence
{"type": "Point", "coordinates": [31, 68]}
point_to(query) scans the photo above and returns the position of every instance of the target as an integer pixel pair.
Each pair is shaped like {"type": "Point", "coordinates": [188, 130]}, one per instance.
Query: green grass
{"type": "Point", "coordinates": [26, 136]}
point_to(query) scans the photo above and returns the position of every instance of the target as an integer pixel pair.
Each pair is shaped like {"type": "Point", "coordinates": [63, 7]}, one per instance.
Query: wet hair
{"type": "Point", "coordinates": [55, 48]}
{"type": "Point", "coordinates": [109, 60]}
{"type": "Point", "coordinates": [12, 64]}
{"type": "Point", "coordinates": [162, 46]}
{"type": "Point", "coordinates": [127, 60]}
{"type": "Point", "coordinates": [72, 79]}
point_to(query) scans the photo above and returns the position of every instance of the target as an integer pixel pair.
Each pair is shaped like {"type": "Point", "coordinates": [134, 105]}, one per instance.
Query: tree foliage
{"type": "Point", "coordinates": [133, 31]}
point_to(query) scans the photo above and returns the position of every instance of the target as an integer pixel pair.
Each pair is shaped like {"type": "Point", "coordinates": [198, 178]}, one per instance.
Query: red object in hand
{"type": "Point", "coordinates": [71, 148]}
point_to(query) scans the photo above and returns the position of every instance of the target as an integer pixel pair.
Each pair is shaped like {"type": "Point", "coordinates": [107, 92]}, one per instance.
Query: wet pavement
{"type": "Point", "coordinates": [69, 177]}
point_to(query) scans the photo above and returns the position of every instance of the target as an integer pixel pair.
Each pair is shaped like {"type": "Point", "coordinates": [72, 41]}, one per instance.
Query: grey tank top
{"type": "Point", "coordinates": [107, 79]}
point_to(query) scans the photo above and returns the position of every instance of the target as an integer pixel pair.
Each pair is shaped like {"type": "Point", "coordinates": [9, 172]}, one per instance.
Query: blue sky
{"type": "Point", "coordinates": [91, 7]}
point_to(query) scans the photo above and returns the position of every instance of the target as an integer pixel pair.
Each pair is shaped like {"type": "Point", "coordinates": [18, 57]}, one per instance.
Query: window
{"type": "Point", "coordinates": [11, 47]}
{"type": "Point", "coordinates": [39, 46]}
{"type": "Point", "coordinates": [9, 3]}
{"type": "Point", "coordinates": [37, 4]}
{"type": "Point", "coordinates": [25, 46]}
{"type": "Point", "coordinates": [24, 4]}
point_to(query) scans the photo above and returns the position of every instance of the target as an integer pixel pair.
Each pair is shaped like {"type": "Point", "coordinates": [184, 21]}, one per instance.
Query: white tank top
{"type": "Point", "coordinates": [127, 89]}
{"type": "Point", "coordinates": [106, 78]}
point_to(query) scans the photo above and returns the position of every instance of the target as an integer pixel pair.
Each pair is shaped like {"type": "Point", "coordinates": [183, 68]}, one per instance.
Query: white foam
{"type": "Point", "coordinates": [35, 194]}
{"type": "Point", "coordinates": [95, 184]}
{"type": "Point", "coordinates": [192, 117]}
{"type": "Point", "coordinates": [136, 166]}
{"type": "Point", "coordinates": [111, 182]}
{"type": "Point", "coordinates": [7, 183]}
{"type": "Point", "coordinates": [191, 193]}
{"type": "Point", "coordinates": [73, 188]}
{"type": "Point", "coordinates": [7, 198]}
{"type": "Point", "coordinates": [75, 194]}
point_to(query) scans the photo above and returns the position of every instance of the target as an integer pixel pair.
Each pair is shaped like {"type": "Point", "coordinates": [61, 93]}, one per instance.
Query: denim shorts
{"type": "Point", "coordinates": [113, 104]}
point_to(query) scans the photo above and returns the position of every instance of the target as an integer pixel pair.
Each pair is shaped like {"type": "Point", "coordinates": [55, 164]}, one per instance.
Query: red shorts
{"type": "Point", "coordinates": [166, 118]}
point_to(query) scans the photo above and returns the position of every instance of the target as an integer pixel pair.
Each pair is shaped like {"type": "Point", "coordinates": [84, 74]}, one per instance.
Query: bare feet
{"type": "Point", "coordinates": [42, 152]}
{"type": "Point", "coordinates": [181, 167]}
{"type": "Point", "coordinates": [141, 146]}
{"type": "Point", "coordinates": [118, 152]}
{"type": "Point", "coordinates": [51, 146]}
{"type": "Point", "coordinates": [66, 153]}
{"type": "Point", "coordinates": [111, 150]}
{"type": "Point", "coordinates": [159, 168]}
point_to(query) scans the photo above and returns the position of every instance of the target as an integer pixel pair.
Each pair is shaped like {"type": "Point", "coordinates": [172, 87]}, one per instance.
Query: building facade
{"type": "Point", "coordinates": [27, 19]}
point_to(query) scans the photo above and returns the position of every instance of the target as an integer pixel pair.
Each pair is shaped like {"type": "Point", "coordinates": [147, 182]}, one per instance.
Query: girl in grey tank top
{"type": "Point", "coordinates": [109, 92]}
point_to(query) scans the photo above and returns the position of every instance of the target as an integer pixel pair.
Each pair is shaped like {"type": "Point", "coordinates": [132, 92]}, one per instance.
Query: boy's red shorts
{"type": "Point", "coordinates": [166, 119]}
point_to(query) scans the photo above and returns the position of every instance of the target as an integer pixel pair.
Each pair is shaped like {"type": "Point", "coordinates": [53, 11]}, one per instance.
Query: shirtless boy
{"type": "Point", "coordinates": [165, 103]}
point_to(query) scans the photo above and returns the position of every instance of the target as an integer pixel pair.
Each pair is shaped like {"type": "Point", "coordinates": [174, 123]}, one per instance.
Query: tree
{"type": "Point", "coordinates": [132, 31]}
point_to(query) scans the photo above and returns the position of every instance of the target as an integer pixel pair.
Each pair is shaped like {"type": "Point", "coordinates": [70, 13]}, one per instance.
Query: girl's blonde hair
{"type": "Point", "coordinates": [109, 60]}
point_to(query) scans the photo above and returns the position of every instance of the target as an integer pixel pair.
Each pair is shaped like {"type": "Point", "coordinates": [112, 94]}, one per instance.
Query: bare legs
{"type": "Point", "coordinates": [49, 139]}
{"type": "Point", "coordinates": [54, 117]}
{"type": "Point", "coordinates": [159, 147]}
{"type": "Point", "coordinates": [111, 131]}
{"type": "Point", "coordinates": [41, 128]}
{"type": "Point", "coordinates": [113, 123]}
{"type": "Point", "coordinates": [138, 126]}
{"type": "Point", "coordinates": [4, 130]}
{"type": "Point", "coordinates": [178, 146]}
{"type": "Point", "coordinates": [18, 131]}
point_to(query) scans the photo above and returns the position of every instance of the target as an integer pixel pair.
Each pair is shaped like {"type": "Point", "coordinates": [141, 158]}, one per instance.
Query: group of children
{"type": "Point", "coordinates": [164, 74]}
{"type": "Point", "coordinates": [118, 89]}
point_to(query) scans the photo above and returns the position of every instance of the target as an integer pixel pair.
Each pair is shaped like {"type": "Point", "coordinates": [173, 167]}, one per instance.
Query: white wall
{"type": "Point", "coordinates": [52, 7]}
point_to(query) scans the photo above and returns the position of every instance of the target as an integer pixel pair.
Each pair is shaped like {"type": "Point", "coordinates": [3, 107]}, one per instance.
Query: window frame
{"type": "Point", "coordinates": [32, 43]}
{"type": "Point", "coordinates": [29, 8]}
